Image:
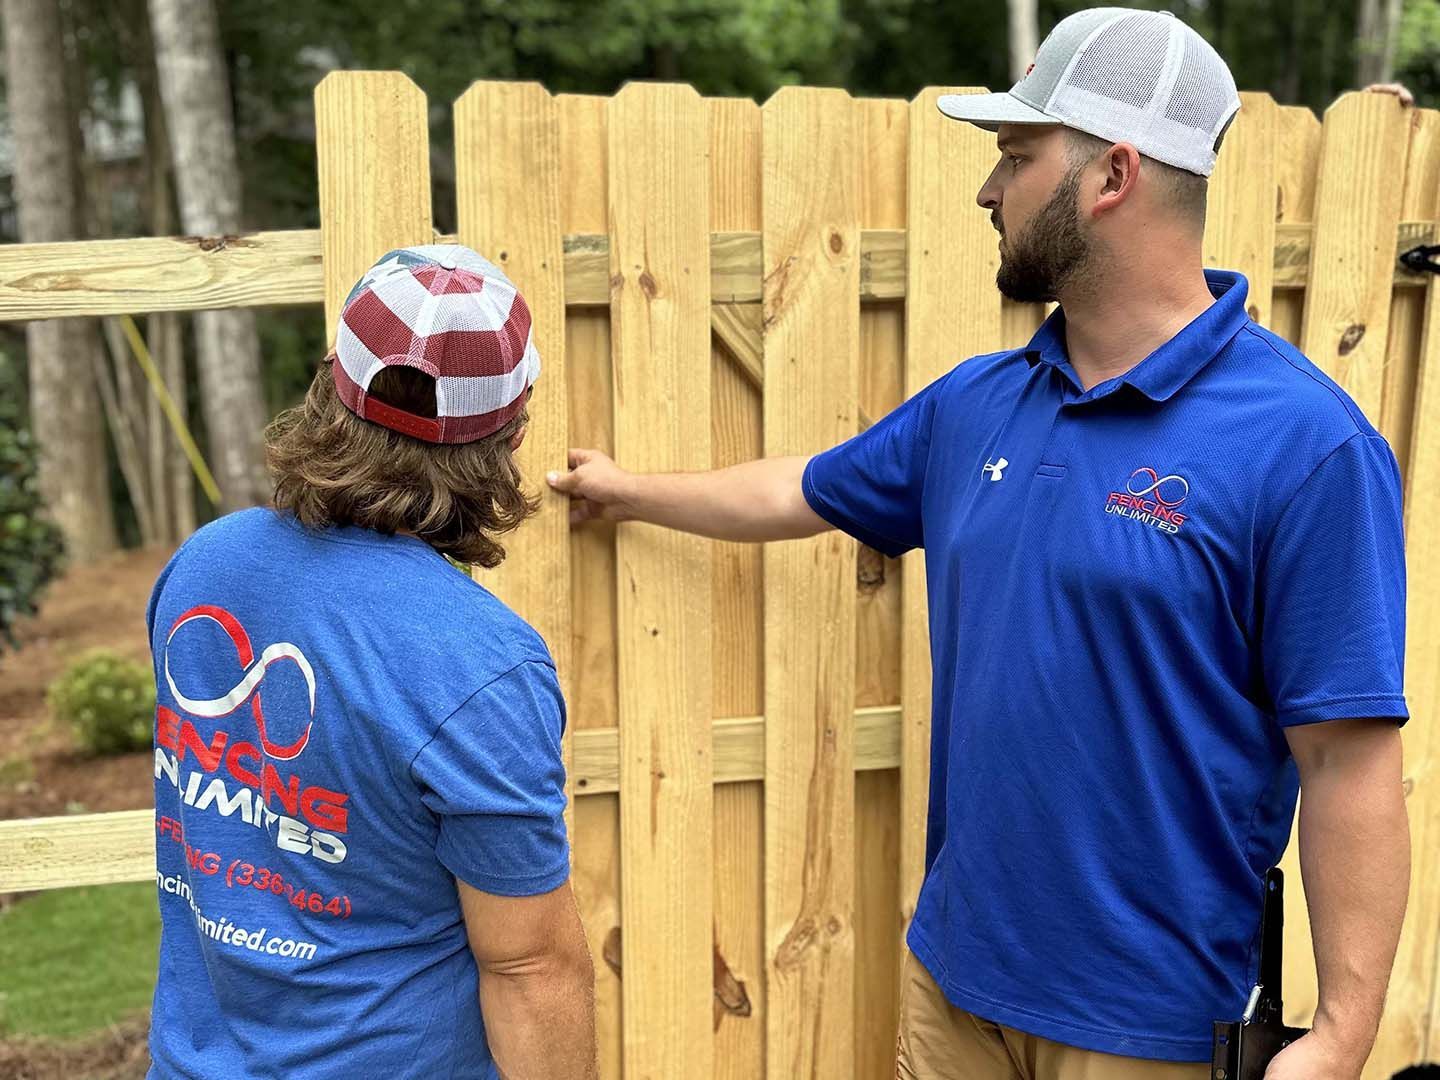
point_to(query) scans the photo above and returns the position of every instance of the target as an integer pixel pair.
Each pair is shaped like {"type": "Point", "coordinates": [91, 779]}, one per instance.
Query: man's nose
{"type": "Point", "coordinates": [989, 194]}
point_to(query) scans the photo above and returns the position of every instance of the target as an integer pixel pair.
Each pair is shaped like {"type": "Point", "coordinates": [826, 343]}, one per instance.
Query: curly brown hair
{"type": "Point", "coordinates": [332, 468]}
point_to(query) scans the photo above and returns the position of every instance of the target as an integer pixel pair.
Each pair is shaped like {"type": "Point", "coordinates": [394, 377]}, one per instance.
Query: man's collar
{"type": "Point", "coordinates": [1174, 363]}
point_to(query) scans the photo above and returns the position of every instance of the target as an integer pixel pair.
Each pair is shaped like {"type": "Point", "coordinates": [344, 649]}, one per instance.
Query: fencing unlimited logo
{"type": "Point", "coordinates": [1151, 499]}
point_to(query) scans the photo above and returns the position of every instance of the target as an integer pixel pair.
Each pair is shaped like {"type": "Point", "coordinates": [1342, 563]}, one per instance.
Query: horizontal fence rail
{"type": "Point", "coordinates": [272, 269]}
{"type": "Point", "coordinates": [99, 849]}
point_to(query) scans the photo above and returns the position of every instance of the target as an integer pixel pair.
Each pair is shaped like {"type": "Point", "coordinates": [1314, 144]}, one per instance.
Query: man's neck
{"type": "Point", "coordinates": [1113, 324]}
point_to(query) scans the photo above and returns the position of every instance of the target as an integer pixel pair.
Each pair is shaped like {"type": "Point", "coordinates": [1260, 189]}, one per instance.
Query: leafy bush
{"type": "Point", "coordinates": [109, 701]}
{"type": "Point", "coordinates": [30, 545]}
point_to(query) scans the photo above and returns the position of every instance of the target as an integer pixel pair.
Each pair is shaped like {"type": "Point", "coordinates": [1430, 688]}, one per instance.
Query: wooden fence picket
{"type": "Point", "coordinates": [1407, 301]}
{"type": "Point", "coordinates": [1347, 299]}
{"type": "Point", "coordinates": [883, 129]}
{"type": "Point", "coordinates": [1298, 164]}
{"type": "Point", "coordinates": [812, 337]}
{"type": "Point", "coordinates": [660, 327]}
{"type": "Point", "coordinates": [584, 193]}
{"type": "Point", "coordinates": [372, 146]}
{"type": "Point", "coordinates": [736, 435]}
{"type": "Point", "coordinates": [1240, 222]}
{"type": "Point", "coordinates": [1410, 1030]}
{"type": "Point", "coordinates": [952, 312]}
{"type": "Point", "coordinates": [507, 157]}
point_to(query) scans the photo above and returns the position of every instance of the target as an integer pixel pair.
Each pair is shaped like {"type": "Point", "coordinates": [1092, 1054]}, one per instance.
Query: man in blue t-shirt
{"type": "Point", "coordinates": [360, 845]}
{"type": "Point", "coordinates": [1166, 590]}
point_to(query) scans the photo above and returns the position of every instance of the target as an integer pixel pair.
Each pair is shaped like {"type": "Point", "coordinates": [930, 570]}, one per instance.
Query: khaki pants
{"type": "Point", "coordinates": [941, 1042]}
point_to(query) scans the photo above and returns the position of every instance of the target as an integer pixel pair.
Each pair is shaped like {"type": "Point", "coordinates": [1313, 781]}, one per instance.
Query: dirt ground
{"type": "Point", "coordinates": [101, 604]}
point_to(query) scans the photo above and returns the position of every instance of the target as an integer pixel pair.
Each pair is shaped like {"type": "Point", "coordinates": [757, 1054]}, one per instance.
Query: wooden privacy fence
{"type": "Point", "coordinates": [712, 281]}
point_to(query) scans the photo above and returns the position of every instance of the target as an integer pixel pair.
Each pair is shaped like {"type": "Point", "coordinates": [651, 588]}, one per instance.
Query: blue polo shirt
{"type": "Point", "coordinates": [1133, 590]}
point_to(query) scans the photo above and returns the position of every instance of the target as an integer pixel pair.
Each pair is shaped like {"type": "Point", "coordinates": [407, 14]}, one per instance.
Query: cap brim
{"type": "Point", "coordinates": [989, 111]}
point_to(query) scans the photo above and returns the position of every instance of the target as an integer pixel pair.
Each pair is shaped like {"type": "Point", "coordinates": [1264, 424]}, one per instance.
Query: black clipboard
{"type": "Point", "coordinates": [1243, 1048]}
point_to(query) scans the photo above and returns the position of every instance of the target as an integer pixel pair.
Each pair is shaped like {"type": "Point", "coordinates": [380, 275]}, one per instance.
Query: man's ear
{"type": "Point", "coordinates": [518, 438]}
{"type": "Point", "coordinates": [1122, 172]}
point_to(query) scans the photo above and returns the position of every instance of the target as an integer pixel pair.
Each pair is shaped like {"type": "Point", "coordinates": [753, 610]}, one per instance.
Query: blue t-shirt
{"type": "Point", "coordinates": [346, 724]}
{"type": "Point", "coordinates": [1133, 590]}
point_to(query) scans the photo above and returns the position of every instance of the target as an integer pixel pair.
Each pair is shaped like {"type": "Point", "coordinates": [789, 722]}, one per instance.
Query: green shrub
{"type": "Point", "coordinates": [30, 545]}
{"type": "Point", "coordinates": [107, 700]}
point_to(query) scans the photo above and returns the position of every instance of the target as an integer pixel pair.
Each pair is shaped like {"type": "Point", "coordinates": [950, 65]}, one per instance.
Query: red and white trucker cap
{"type": "Point", "coordinates": [443, 309]}
{"type": "Point", "coordinates": [1141, 77]}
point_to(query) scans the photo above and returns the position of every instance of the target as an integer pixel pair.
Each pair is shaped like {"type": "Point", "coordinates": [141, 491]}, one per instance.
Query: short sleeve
{"type": "Point", "coordinates": [1332, 592]}
{"type": "Point", "coordinates": [493, 776]}
{"type": "Point", "coordinates": [870, 486]}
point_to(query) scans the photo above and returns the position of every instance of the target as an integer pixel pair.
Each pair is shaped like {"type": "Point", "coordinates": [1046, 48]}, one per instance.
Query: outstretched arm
{"type": "Point", "coordinates": [755, 501]}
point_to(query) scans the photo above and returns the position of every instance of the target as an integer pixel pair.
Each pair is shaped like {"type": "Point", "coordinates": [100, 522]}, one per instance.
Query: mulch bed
{"type": "Point", "coordinates": [97, 605]}
{"type": "Point", "coordinates": [118, 1053]}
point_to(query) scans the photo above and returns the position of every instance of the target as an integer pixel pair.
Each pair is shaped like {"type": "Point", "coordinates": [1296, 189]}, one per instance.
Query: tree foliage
{"type": "Point", "coordinates": [30, 545]}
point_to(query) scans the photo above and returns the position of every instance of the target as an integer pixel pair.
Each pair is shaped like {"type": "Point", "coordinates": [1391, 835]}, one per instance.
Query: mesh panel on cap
{"type": "Point", "coordinates": [1055, 51]}
{"type": "Point", "coordinates": [1138, 38]}
{"type": "Point", "coordinates": [1204, 91]}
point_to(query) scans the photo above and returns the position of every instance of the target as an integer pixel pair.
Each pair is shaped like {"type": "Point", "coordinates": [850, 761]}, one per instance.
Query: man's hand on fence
{"type": "Point", "coordinates": [596, 485]}
{"type": "Point", "coordinates": [1398, 89]}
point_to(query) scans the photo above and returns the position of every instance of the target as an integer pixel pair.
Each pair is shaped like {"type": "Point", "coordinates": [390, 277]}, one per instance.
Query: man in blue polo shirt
{"type": "Point", "coordinates": [1166, 574]}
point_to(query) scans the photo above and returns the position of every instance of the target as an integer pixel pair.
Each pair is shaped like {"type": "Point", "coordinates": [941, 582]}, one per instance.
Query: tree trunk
{"type": "Point", "coordinates": [1024, 36]}
{"type": "Point", "coordinates": [194, 86]}
{"type": "Point", "coordinates": [65, 413]}
{"type": "Point", "coordinates": [1378, 22]}
{"type": "Point", "coordinates": [171, 482]}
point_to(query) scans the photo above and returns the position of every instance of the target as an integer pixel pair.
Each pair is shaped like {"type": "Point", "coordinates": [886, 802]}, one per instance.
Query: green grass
{"type": "Point", "coordinates": [75, 960]}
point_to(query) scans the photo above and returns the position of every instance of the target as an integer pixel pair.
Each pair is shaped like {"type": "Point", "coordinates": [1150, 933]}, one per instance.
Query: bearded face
{"type": "Point", "coordinates": [1039, 258]}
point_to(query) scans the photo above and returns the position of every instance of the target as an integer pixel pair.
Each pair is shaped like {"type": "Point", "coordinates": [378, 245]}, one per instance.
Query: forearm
{"type": "Point", "coordinates": [540, 1021]}
{"type": "Point", "coordinates": [754, 501]}
{"type": "Point", "coordinates": [1355, 863]}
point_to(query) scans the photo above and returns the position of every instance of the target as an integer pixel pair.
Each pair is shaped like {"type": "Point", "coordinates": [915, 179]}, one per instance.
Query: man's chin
{"type": "Point", "coordinates": [1021, 290]}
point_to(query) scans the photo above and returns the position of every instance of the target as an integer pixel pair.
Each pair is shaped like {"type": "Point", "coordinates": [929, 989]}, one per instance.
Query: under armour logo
{"type": "Point", "coordinates": [995, 469]}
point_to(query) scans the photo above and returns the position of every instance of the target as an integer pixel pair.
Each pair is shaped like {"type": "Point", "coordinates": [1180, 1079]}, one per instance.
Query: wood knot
{"type": "Point", "coordinates": [610, 952]}
{"type": "Point", "coordinates": [213, 243]}
{"type": "Point", "coordinates": [797, 943]}
{"type": "Point", "coordinates": [1352, 336]}
{"type": "Point", "coordinates": [730, 996]}
{"type": "Point", "coordinates": [1254, 312]}
{"type": "Point", "coordinates": [837, 242]}
{"type": "Point", "coordinates": [869, 570]}
{"type": "Point", "coordinates": [647, 285]}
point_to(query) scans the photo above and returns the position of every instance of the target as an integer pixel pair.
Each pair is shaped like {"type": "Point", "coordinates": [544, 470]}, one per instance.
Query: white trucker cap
{"type": "Point", "coordinates": [1141, 77]}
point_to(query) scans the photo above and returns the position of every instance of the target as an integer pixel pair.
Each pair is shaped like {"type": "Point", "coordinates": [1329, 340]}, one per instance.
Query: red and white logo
{"type": "Point", "coordinates": [221, 771]}
{"type": "Point", "coordinates": [252, 675]}
{"type": "Point", "coordinates": [1151, 499]}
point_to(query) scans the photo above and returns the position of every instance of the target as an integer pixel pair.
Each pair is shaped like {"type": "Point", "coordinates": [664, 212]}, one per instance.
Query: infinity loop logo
{"type": "Point", "coordinates": [1158, 486]}
{"type": "Point", "coordinates": [250, 679]}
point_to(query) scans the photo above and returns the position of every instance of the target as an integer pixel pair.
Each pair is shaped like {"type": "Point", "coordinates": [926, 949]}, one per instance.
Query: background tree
{"type": "Point", "coordinates": [65, 411]}
{"type": "Point", "coordinates": [1024, 36]}
{"type": "Point", "coordinates": [195, 90]}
